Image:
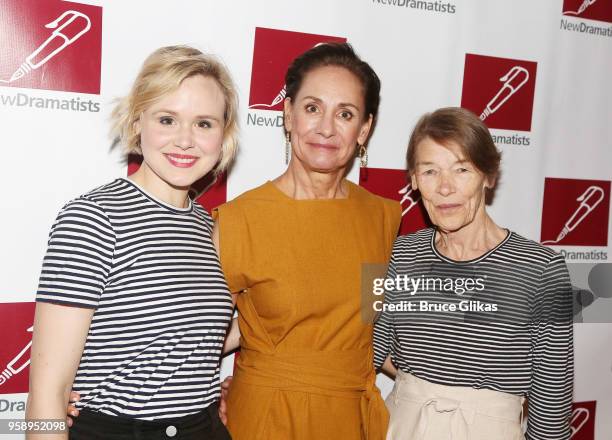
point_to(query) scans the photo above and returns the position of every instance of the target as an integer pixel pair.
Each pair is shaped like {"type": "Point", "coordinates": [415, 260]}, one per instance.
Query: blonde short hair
{"type": "Point", "coordinates": [163, 72]}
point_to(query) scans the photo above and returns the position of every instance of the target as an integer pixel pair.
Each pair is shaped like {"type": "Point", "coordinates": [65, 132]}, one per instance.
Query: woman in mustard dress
{"type": "Point", "coordinates": [292, 251]}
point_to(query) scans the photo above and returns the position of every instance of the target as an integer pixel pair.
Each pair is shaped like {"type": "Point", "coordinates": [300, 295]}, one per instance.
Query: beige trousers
{"type": "Point", "coordinates": [421, 410]}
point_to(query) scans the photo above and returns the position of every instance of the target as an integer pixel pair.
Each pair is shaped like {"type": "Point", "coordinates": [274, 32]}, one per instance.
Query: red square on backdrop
{"type": "Point", "coordinates": [273, 52]}
{"type": "Point", "coordinates": [51, 45]}
{"type": "Point", "coordinates": [499, 90]}
{"type": "Point", "coordinates": [600, 10]}
{"type": "Point", "coordinates": [16, 320]}
{"type": "Point", "coordinates": [583, 420]}
{"type": "Point", "coordinates": [393, 184]}
{"type": "Point", "coordinates": [215, 195]}
{"type": "Point", "coordinates": [575, 212]}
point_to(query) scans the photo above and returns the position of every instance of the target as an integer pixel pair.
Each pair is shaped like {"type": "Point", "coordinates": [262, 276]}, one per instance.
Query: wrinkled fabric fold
{"type": "Point", "coordinates": [422, 410]}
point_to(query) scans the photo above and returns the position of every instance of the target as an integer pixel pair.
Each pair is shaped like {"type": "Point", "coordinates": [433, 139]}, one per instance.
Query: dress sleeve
{"type": "Point", "coordinates": [79, 256]}
{"type": "Point", "coordinates": [384, 328]}
{"type": "Point", "coordinates": [232, 237]}
{"type": "Point", "coordinates": [550, 395]}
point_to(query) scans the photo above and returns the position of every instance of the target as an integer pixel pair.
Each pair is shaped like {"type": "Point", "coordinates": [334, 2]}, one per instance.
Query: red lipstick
{"type": "Point", "coordinates": [181, 160]}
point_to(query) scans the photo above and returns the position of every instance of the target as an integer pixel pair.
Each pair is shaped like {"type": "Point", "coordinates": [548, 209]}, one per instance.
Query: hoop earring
{"type": "Point", "coordinates": [287, 147]}
{"type": "Point", "coordinates": [363, 155]}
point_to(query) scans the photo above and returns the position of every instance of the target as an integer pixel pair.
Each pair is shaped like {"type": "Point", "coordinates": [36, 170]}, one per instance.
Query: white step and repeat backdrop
{"type": "Point", "coordinates": [537, 71]}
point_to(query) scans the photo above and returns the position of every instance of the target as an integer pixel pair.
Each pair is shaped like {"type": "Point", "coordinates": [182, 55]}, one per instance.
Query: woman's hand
{"type": "Point", "coordinates": [225, 386]}
{"type": "Point", "coordinates": [71, 409]}
{"type": "Point", "coordinates": [388, 367]}
{"type": "Point", "coordinates": [232, 339]}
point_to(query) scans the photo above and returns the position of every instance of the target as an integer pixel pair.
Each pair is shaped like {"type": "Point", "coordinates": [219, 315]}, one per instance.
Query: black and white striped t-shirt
{"type": "Point", "coordinates": [524, 347]}
{"type": "Point", "coordinates": [162, 306]}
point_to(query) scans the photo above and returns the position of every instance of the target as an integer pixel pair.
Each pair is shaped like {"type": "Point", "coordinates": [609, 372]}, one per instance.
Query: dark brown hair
{"type": "Point", "coordinates": [335, 54]}
{"type": "Point", "coordinates": [462, 127]}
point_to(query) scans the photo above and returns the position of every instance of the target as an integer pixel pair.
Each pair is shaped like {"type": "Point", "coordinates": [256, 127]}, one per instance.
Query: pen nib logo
{"type": "Point", "coordinates": [588, 202]}
{"type": "Point", "coordinates": [516, 78]}
{"type": "Point", "coordinates": [583, 7]}
{"type": "Point", "coordinates": [500, 90]}
{"type": "Point", "coordinates": [580, 416]}
{"type": "Point", "coordinates": [277, 99]}
{"type": "Point", "coordinates": [407, 194]}
{"type": "Point", "coordinates": [575, 212]}
{"type": "Point", "coordinates": [65, 33]}
{"type": "Point", "coordinates": [17, 364]}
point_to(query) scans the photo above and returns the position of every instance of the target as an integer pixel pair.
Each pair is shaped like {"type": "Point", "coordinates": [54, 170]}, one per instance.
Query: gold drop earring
{"type": "Point", "coordinates": [363, 155]}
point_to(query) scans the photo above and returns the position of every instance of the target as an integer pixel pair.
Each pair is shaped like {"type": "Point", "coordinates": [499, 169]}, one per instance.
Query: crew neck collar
{"type": "Point", "coordinates": [157, 201]}
{"type": "Point", "coordinates": [432, 243]}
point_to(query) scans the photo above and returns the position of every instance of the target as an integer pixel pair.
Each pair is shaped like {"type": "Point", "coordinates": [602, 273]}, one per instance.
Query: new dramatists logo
{"type": "Point", "coordinates": [583, 421]}
{"type": "Point", "coordinates": [51, 45]}
{"type": "Point", "coordinates": [600, 10]}
{"type": "Point", "coordinates": [501, 92]}
{"type": "Point", "coordinates": [432, 6]}
{"type": "Point", "coordinates": [16, 329]}
{"type": "Point", "coordinates": [393, 184]}
{"type": "Point", "coordinates": [575, 212]}
{"type": "Point", "coordinates": [274, 50]}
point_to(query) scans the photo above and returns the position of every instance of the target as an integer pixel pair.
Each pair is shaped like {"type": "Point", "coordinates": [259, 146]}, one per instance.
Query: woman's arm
{"type": "Point", "coordinates": [215, 238]}
{"type": "Point", "coordinates": [232, 340]}
{"type": "Point", "coordinates": [388, 367]}
{"type": "Point", "coordinates": [74, 272]}
{"type": "Point", "coordinates": [57, 345]}
{"type": "Point", "coordinates": [550, 396]}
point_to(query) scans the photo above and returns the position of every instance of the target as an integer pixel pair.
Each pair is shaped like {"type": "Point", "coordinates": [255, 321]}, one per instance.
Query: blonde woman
{"type": "Point", "coordinates": [132, 306]}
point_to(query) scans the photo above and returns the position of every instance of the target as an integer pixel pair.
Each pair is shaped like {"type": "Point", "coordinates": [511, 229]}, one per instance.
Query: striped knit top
{"type": "Point", "coordinates": [509, 328]}
{"type": "Point", "coordinates": [162, 306]}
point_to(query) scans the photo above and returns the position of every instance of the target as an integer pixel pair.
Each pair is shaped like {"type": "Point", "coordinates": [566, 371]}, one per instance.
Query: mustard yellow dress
{"type": "Point", "coordinates": [305, 370]}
